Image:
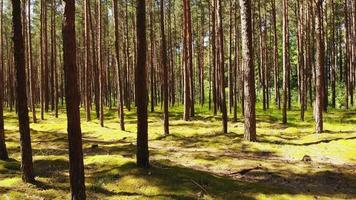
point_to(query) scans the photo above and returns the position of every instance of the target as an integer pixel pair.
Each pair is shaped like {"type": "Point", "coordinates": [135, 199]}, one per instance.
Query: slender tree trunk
{"type": "Point", "coordinates": [286, 69]}
{"type": "Point", "coordinates": [347, 58]}
{"type": "Point", "coordinates": [118, 70]}
{"type": "Point", "coordinates": [87, 61]}
{"type": "Point", "coordinates": [249, 72]}
{"type": "Point", "coordinates": [334, 57]}
{"type": "Point", "coordinates": [3, 150]}
{"type": "Point", "coordinates": [31, 67]}
{"type": "Point", "coordinates": [46, 74]}
{"type": "Point", "coordinates": [320, 52]}
{"type": "Point", "coordinates": [42, 82]}
{"type": "Point", "coordinates": [222, 64]}
{"type": "Point", "coordinates": [24, 127]}
{"type": "Point", "coordinates": [165, 72]}
{"type": "Point", "coordinates": [141, 87]}
{"type": "Point", "coordinates": [187, 61]}
{"type": "Point", "coordinates": [76, 165]}
{"type": "Point", "coordinates": [275, 56]}
{"type": "Point", "coordinates": [100, 66]}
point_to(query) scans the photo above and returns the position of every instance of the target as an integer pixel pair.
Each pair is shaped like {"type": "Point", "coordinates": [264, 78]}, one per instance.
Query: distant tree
{"type": "Point", "coordinates": [24, 127]}
{"type": "Point", "coordinates": [76, 165]}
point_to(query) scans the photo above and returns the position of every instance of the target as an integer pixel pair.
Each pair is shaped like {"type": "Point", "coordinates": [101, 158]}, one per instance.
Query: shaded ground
{"type": "Point", "coordinates": [195, 162]}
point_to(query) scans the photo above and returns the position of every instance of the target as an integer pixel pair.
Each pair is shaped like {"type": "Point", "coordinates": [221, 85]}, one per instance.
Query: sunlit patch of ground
{"type": "Point", "coordinates": [195, 161]}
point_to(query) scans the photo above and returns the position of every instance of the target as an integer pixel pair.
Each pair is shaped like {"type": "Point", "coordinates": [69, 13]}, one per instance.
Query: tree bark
{"type": "Point", "coordinates": [222, 64]}
{"type": "Point", "coordinates": [24, 127]}
{"type": "Point", "coordinates": [76, 165]}
{"type": "Point", "coordinates": [118, 70]}
{"type": "Point", "coordinates": [286, 69]}
{"type": "Point", "coordinates": [187, 58]}
{"type": "Point", "coordinates": [320, 52]}
{"type": "Point", "coordinates": [165, 72]}
{"type": "Point", "coordinates": [141, 86]}
{"type": "Point", "coordinates": [249, 72]}
{"type": "Point", "coordinates": [3, 151]}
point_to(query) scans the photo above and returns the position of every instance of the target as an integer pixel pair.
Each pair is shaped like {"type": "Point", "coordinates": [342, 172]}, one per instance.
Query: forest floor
{"type": "Point", "coordinates": [196, 161]}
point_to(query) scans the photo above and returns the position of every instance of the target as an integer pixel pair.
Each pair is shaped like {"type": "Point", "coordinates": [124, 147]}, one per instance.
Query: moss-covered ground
{"type": "Point", "coordinates": [196, 161]}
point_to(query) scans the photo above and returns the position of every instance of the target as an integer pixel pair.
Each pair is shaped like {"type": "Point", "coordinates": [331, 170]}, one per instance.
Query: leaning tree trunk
{"type": "Point", "coordinates": [19, 58]}
{"type": "Point", "coordinates": [249, 72]}
{"type": "Point", "coordinates": [76, 165]}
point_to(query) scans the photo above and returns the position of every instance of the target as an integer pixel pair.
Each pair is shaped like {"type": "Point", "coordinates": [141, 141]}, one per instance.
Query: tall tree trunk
{"type": "Point", "coordinates": [3, 150]}
{"type": "Point", "coordinates": [87, 65]}
{"type": "Point", "coordinates": [100, 66]}
{"type": "Point", "coordinates": [42, 81]}
{"type": "Point", "coordinates": [24, 127]}
{"type": "Point", "coordinates": [347, 56]}
{"type": "Point", "coordinates": [165, 72]}
{"type": "Point", "coordinates": [152, 52]}
{"type": "Point", "coordinates": [187, 58]}
{"type": "Point", "coordinates": [31, 67]}
{"type": "Point", "coordinates": [118, 70]}
{"type": "Point", "coordinates": [286, 69]}
{"type": "Point", "coordinates": [249, 72]}
{"type": "Point", "coordinates": [320, 52]}
{"type": "Point", "coordinates": [275, 56]}
{"type": "Point", "coordinates": [45, 41]}
{"type": "Point", "coordinates": [222, 64]}
{"type": "Point", "coordinates": [141, 87]}
{"type": "Point", "coordinates": [334, 57]}
{"type": "Point", "coordinates": [76, 165]}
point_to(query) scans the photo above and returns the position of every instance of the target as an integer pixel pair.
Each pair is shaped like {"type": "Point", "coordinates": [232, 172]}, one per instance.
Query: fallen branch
{"type": "Point", "coordinates": [245, 171]}
{"type": "Point", "coordinates": [200, 186]}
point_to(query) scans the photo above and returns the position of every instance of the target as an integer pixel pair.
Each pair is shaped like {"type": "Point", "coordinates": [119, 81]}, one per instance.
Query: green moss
{"type": "Point", "coordinates": [195, 161]}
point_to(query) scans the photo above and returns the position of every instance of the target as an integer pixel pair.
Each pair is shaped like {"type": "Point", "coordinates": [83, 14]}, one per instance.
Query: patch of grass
{"type": "Point", "coordinates": [196, 161]}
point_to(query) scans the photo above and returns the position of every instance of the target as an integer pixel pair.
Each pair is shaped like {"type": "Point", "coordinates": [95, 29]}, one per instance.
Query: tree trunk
{"type": "Point", "coordinates": [320, 52]}
{"type": "Point", "coordinates": [76, 171]}
{"type": "Point", "coordinates": [87, 61]}
{"type": "Point", "coordinates": [165, 72]}
{"type": "Point", "coordinates": [3, 150]}
{"type": "Point", "coordinates": [222, 64]}
{"type": "Point", "coordinates": [100, 66]}
{"type": "Point", "coordinates": [187, 58]}
{"type": "Point", "coordinates": [249, 72]}
{"type": "Point", "coordinates": [120, 102]}
{"type": "Point", "coordinates": [31, 67]}
{"type": "Point", "coordinates": [286, 69]}
{"type": "Point", "coordinates": [19, 58]}
{"type": "Point", "coordinates": [141, 88]}
{"type": "Point", "coordinates": [275, 56]}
